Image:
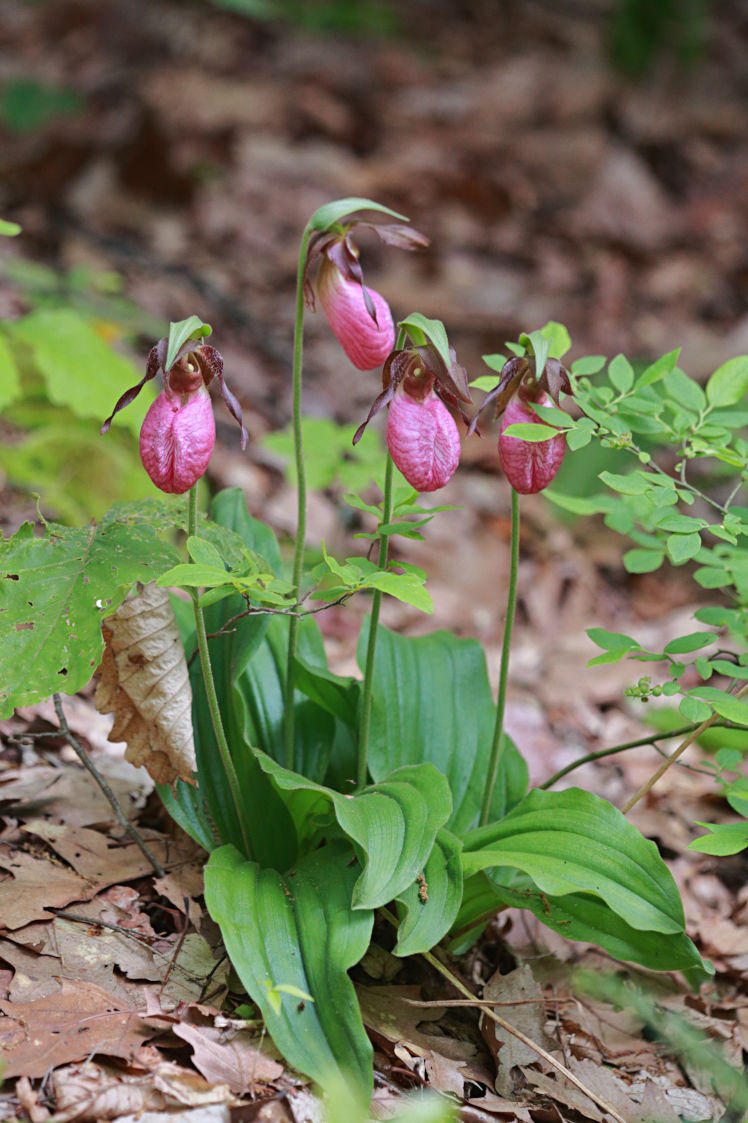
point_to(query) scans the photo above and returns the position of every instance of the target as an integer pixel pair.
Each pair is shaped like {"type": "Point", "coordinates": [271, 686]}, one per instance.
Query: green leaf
{"type": "Point", "coordinates": [680, 524]}
{"type": "Point", "coordinates": [339, 696]}
{"type": "Point", "coordinates": [485, 382]}
{"type": "Point", "coordinates": [298, 929]}
{"type": "Point", "coordinates": [612, 641]}
{"type": "Point", "coordinates": [432, 701]}
{"type": "Point", "coordinates": [578, 505]}
{"type": "Point", "coordinates": [79, 369]}
{"type": "Point", "coordinates": [57, 590]}
{"type": "Point", "coordinates": [528, 431]}
{"type": "Point", "coordinates": [392, 823]}
{"type": "Point", "coordinates": [621, 374]}
{"type": "Point", "coordinates": [9, 229]}
{"type": "Point", "coordinates": [590, 364]}
{"type": "Point", "coordinates": [576, 842]}
{"type": "Point", "coordinates": [694, 641]}
{"type": "Point", "coordinates": [643, 561]}
{"type": "Point", "coordinates": [10, 383]}
{"type": "Point", "coordinates": [579, 916]}
{"type": "Point", "coordinates": [423, 330]}
{"type": "Point", "coordinates": [330, 213]}
{"type": "Point", "coordinates": [558, 337]}
{"type": "Point", "coordinates": [694, 710]}
{"type": "Point", "coordinates": [657, 370]}
{"type": "Point", "coordinates": [179, 333]}
{"type": "Point", "coordinates": [724, 839]}
{"type": "Point", "coordinates": [635, 483]}
{"type": "Point", "coordinates": [682, 547]}
{"type": "Point", "coordinates": [404, 587]}
{"type": "Point", "coordinates": [428, 907]}
{"type": "Point", "coordinates": [729, 383]}
{"type": "Point", "coordinates": [725, 705]}
{"type": "Point", "coordinates": [187, 808]}
{"type": "Point", "coordinates": [711, 577]}
{"type": "Point", "coordinates": [552, 416]}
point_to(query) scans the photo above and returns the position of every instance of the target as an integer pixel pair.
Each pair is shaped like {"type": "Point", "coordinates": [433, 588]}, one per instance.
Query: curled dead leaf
{"type": "Point", "coordinates": [145, 684]}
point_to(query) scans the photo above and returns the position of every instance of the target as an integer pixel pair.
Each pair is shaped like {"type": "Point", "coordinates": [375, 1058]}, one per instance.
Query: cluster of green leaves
{"type": "Point", "coordinates": [697, 703]}
{"type": "Point", "coordinates": [58, 374]}
{"type": "Point", "coordinates": [298, 908]}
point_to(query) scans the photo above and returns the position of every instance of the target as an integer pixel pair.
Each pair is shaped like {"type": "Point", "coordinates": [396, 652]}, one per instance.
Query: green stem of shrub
{"type": "Point", "coordinates": [640, 742]}
{"type": "Point", "coordinates": [497, 745]}
{"type": "Point", "coordinates": [298, 443]}
{"type": "Point", "coordinates": [210, 690]}
{"type": "Point", "coordinates": [371, 647]}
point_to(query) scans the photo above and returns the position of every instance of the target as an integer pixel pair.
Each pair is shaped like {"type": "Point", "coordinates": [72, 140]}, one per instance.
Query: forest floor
{"type": "Point", "coordinates": [550, 187]}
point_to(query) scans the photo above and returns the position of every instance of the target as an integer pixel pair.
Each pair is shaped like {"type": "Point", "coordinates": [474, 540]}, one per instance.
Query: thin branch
{"type": "Point", "coordinates": [639, 743]}
{"type": "Point", "coordinates": [689, 740]}
{"type": "Point", "coordinates": [111, 797]}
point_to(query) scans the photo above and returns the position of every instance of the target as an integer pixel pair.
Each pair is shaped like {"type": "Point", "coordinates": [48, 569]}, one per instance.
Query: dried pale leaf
{"type": "Point", "coordinates": [84, 1093]}
{"type": "Point", "coordinates": [68, 793]}
{"type": "Point", "coordinates": [603, 1082]}
{"type": "Point", "coordinates": [228, 1059]}
{"type": "Point", "coordinates": [145, 684]}
{"type": "Point", "coordinates": [79, 1020]}
{"type": "Point", "coordinates": [561, 1091]}
{"type": "Point", "coordinates": [28, 1099]}
{"type": "Point", "coordinates": [528, 1016]}
{"type": "Point", "coordinates": [34, 976]}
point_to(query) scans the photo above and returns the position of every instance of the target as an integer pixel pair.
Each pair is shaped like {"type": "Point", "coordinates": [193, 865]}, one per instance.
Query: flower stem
{"type": "Point", "coordinates": [298, 442]}
{"type": "Point", "coordinates": [210, 690]}
{"type": "Point", "coordinates": [497, 746]}
{"type": "Point", "coordinates": [371, 647]}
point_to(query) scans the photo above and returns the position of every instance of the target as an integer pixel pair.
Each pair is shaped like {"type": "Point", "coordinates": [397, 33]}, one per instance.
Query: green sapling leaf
{"type": "Point", "coordinates": [729, 383]}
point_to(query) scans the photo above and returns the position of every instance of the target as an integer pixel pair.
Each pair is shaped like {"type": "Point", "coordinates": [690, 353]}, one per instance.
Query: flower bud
{"type": "Point", "coordinates": [366, 341]}
{"type": "Point", "coordinates": [529, 465]}
{"type": "Point", "coordinates": [176, 440]}
{"type": "Point", "coordinates": [423, 440]}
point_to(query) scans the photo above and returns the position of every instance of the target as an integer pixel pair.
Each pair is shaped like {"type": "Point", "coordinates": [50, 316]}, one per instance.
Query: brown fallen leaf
{"type": "Point", "coordinates": [100, 1091]}
{"type": "Point", "coordinates": [35, 884]}
{"type": "Point", "coordinates": [528, 1016]}
{"type": "Point", "coordinates": [228, 1057]}
{"type": "Point", "coordinates": [145, 684]}
{"type": "Point", "coordinates": [78, 1021]}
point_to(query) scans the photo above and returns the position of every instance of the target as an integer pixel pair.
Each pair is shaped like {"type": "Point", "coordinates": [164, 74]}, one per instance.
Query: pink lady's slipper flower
{"type": "Point", "coordinates": [359, 316]}
{"type": "Point", "coordinates": [422, 435]}
{"type": "Point", "coordinates": [179, 430]}
{"type": "Point", "coordinates": [528, 465]}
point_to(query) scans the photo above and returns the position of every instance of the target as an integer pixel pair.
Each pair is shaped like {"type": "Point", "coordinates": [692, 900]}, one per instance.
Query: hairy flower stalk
{"type": "Point", "coordinates": [179, 431]}
{"type": "Point", "coordinates": [529, 465]}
